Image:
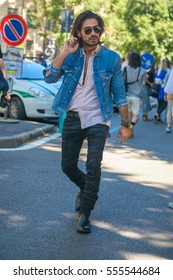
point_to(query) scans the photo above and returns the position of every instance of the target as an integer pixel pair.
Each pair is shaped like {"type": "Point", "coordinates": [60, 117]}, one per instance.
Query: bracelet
{"type": "Point", "coordinates": [127, 124]}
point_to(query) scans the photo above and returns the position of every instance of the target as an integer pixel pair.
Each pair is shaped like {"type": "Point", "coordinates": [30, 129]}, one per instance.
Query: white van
{"type": "Point", "coordinates": [31, 96]}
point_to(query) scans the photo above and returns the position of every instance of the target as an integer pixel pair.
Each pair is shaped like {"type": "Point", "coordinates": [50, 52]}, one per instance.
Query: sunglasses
{"type": "Point", "coordinates": [96, 29]}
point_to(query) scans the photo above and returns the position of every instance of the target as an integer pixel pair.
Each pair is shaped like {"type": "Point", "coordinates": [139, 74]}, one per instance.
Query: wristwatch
{"type": "Point", "coordinates": [127, 124]}
{"type": "Point", "coordinates": [131, 126]}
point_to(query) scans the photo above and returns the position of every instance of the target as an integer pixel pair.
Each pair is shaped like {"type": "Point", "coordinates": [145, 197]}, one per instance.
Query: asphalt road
{"type": "Point", "coordinates": [131, 220]}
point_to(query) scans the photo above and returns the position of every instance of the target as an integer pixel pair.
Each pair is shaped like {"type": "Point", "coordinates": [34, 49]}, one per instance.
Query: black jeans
{"type": "Point", "coordinates": [72, 140]}
{"type": "Point", "coordinates": [162, 104]}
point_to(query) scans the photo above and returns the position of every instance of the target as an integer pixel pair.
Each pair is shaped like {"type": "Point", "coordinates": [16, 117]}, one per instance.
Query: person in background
{"type": "Point", "coordinates": [146, 106]}
{"type": "Point", "coordinates": [40, 59]}
{"type": "Point", "coordinates": [168, 97]}
{"type": "Point", "coordinates": [160, 78]}
{"type": "Point", "coordinates": [125, 61]}
{"type": "Point", "coordinates": [92, 77]}
{"type": "Point", "coordinates": [134, 77]}
{"type": "Point", "coordinates": [169, 67]}
{"type": "Point", "coordinates": [2, 67]}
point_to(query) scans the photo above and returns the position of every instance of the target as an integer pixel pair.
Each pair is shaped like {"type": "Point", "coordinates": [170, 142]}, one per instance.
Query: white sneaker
{"type": "Point", "coordinates": [170, 205]}
{"type": "Point", "coordinates": [168, 129]}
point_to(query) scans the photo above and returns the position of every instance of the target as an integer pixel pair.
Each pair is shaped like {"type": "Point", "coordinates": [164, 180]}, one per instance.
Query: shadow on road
{"type": "Point", "coordinates": [131, 219]}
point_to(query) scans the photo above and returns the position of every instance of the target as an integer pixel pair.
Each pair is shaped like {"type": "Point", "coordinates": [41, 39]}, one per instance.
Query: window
{"type": "Point", "coordinates": [12, 11]}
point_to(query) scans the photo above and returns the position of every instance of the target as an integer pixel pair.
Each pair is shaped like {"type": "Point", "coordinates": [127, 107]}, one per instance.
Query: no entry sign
{"type": "Point", "coordinates": [13, 30]}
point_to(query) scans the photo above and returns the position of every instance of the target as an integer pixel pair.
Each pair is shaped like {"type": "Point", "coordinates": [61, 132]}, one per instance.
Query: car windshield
{"type": "Point", "coordinates": [32, 70]}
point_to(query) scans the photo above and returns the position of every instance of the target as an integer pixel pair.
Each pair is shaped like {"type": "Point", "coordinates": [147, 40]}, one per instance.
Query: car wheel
{"type": "Point", "coordinates": [16, 109]}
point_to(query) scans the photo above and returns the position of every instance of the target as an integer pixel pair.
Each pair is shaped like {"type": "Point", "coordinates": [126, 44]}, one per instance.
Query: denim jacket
{"type": "Point", "coordinates": [108, 80]}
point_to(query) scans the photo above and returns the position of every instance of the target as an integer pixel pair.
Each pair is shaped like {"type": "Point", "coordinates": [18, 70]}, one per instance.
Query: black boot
{"type": "Point", "coordinates": [78, 201]}
{"type": "Point", "coordinates": [157, 119]}
{"type": "Point", "coordinates": [84, 225]}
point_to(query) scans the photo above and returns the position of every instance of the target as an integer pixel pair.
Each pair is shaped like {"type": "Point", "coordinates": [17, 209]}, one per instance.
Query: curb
{"type": "Point", "coordinates": [19, 139]}
{"type": "Point", "coordinates": [2, 120]}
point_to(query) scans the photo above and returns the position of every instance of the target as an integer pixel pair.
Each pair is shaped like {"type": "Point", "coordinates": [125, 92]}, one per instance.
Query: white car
{"type": "Point", "coordinates": [31, 96]}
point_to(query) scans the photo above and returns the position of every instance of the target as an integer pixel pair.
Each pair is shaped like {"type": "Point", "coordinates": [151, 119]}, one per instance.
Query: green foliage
{"type": "Point", "coordinates": [149, 24]}
{"type": "Point", "coordinates": [32, 20]}
{"type": "Point", "coordinates": [142, 25]}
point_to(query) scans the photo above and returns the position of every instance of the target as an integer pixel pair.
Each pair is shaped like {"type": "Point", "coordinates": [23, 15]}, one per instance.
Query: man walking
{"type": "Point", "coordinates": [91, 76]}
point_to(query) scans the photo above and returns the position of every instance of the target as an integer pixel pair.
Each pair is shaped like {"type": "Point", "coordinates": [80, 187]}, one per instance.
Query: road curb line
{"type": "Point", "coordinates": [19, 139]}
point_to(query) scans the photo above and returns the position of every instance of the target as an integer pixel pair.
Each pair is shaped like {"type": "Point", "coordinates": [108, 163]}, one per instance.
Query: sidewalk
{"type": "Point", "coordinates": [14, 133]}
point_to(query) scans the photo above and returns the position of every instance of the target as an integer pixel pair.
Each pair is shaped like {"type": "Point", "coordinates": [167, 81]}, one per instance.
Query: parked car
{"type": "Point", "coordinates": [31, 96]}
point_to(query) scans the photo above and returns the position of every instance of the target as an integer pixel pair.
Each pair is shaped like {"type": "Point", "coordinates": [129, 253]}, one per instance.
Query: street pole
{"type": "Point", "coordinates": [44, 22]}
{"type": "Point", "coordinates": [66, 16]}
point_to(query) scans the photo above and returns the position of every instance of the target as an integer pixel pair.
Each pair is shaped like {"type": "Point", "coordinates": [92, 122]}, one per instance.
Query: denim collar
{"type": "Point", "coordinates": [96, 52]}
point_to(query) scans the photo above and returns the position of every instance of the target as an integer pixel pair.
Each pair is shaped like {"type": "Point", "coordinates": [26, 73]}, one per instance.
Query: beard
{"type": "Point", "coordinates": [91, 42]}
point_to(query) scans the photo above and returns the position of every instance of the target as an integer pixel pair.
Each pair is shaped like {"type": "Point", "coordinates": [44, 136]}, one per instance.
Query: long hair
{"type": "Point", "coordinates": [135, 60]}
{"type": "Point", "coordinates": [163, 65]}
{"type": "Point", "coordinates": [153, 67]}
{"type": "Point", "coordinates": [77, 25]}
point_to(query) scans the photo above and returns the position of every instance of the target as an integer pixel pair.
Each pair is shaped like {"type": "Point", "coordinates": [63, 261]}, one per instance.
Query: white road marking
{"type": "Point", "coordinates": [39, 142]}
{"type": "Point", "coordinates": [33, 144]}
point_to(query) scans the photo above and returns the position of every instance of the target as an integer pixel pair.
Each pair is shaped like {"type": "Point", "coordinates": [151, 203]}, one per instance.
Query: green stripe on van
{"type": "Point", "coordinates": [24, 94]}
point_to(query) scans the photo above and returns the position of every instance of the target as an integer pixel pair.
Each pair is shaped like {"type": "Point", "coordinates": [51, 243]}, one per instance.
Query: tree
{"type": "Point", "coordinates": [49, 11]}
{"type": "Point", "coordinates": [150, 24]}
{"type": "Point", "coordinates": [144, 25]}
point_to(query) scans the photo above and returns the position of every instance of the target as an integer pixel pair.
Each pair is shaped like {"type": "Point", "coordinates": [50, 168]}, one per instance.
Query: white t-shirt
{"type": "Point", "coordinates": [169, 85]}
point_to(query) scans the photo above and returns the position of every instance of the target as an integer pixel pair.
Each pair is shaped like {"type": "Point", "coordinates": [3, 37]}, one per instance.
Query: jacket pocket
{"type": "Point", "coordinates": [105, 79]}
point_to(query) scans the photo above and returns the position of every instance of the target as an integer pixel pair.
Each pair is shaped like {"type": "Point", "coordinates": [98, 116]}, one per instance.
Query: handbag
{"type": "Point", "coordinates": [3, 82]}
{"type": "Point", "coordinates": [154, 90]}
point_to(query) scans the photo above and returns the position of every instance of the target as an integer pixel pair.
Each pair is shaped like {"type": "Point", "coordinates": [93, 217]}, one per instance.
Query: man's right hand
{"type": "Point", "coordinates": [70, 46]}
